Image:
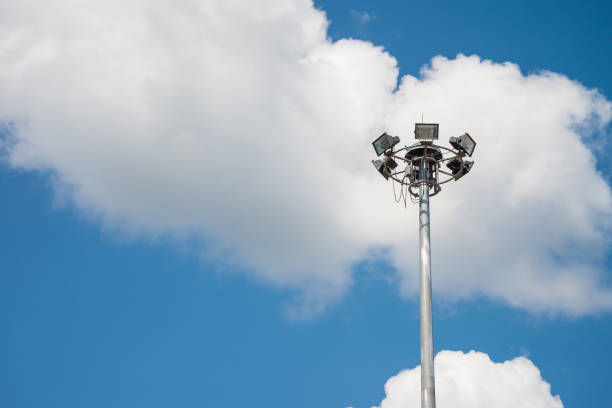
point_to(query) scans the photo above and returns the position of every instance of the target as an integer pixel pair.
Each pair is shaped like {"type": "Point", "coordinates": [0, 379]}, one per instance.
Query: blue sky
{"type": "Point", "coordinates": [95, 315]}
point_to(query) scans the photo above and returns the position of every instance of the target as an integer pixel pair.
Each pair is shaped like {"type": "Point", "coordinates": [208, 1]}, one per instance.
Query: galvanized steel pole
{"type": "Point", "coordinates": [428, 391]}
{"type": "Point", "coordinates": [420, 179]}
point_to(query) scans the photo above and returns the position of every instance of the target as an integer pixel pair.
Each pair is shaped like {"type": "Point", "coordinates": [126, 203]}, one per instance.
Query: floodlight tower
{"type": "Point", "coordinates": [420, 179]}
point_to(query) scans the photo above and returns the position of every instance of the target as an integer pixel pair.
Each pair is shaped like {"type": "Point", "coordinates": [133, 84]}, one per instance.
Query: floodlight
{"type": "Point", "coordinates": [384, 142]}
{"type": "Point", "coordinates": [455, 167]}
{"type": "Point", "coordinates": [385, 166]}
{"type": "Point", "coordinates": [467, 166]}
{"type": "Point", "coordinates": [390, 163]}
{"type": "Point", "coordinates": [426, 131]}
{"type": "Point", "coordinates": [465, 143]}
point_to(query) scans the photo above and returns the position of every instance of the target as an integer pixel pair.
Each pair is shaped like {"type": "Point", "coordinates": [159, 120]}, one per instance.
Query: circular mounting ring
{"type": "Point", "coordinates": [419, 155]}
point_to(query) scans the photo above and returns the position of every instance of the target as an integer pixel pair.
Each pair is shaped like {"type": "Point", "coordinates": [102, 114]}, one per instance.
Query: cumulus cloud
{"type": "Point", "coordinates": [472, 380]}
{"type": "Point", "coordinates": [242, 124]}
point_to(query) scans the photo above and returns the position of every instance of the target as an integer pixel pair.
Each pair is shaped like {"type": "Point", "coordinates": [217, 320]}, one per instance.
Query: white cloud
{"type": "Point", "coordinates": [243, 124]}
{"type": "Point", "coordinates": [472, 380]}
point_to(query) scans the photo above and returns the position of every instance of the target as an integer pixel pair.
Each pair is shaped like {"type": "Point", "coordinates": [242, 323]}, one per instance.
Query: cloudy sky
{"type": "Point", "coordinates": [189, 214]}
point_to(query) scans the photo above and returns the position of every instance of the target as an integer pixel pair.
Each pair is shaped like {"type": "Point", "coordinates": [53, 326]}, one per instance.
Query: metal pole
{"type": "Point", "coordinates": [428, 391]}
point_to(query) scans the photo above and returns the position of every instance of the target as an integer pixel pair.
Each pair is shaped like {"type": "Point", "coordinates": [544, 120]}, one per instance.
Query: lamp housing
{"type": "Point", "coordinates": [458, 170]}
{"type": "Point", "coordinates": [426, 131]}
{"type": "Point", "coordinates": [454, 165]}
{"type": "Point", "coordinates": [385, 166]}
{"type": "Point", "coordinates": [467, 166]}
{"type": "Point", "coordinates": [384, 142]}
{"type": "Point", "coordinates": [464, 143]}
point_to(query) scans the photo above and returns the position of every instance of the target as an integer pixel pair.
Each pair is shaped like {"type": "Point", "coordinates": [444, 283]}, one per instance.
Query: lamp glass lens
{"type": "Point", "coordinates": [383, 143]}
{"type": "Point", "coordinates": [468, 144]}
{"type": "Point", "coordinates": [380, 145]}
{"type": "Point", "coordinates": [426, 131]}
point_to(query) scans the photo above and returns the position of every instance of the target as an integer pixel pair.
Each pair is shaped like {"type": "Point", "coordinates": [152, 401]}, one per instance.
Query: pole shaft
{"type": "Point", "coordinates": [428, 392]}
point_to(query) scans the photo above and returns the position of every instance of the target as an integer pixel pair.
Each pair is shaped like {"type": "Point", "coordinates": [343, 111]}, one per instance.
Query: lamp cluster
{"type": "Point", "coordinates": [423, 159]}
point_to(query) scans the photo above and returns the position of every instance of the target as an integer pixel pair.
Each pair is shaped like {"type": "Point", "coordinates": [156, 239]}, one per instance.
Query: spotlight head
{"type": "Point", "coordinates": [467, 166]}
{"type": "Point", "coordinates": [426, 131]}
{"type": "Point", "coordinates": [390, 163]}
{"type": "Point", "coordinates": [384, 142]}
{"type": "Point", "coordinates": [463, 143]}
{"type": "Point", "coordinates": [385, 167]}
{"type": "Point", "coordinates": [455, 167]}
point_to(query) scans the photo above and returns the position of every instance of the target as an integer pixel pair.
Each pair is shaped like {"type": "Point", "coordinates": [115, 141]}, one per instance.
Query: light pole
{"type": "Point", "coordinates": [422, 174]}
